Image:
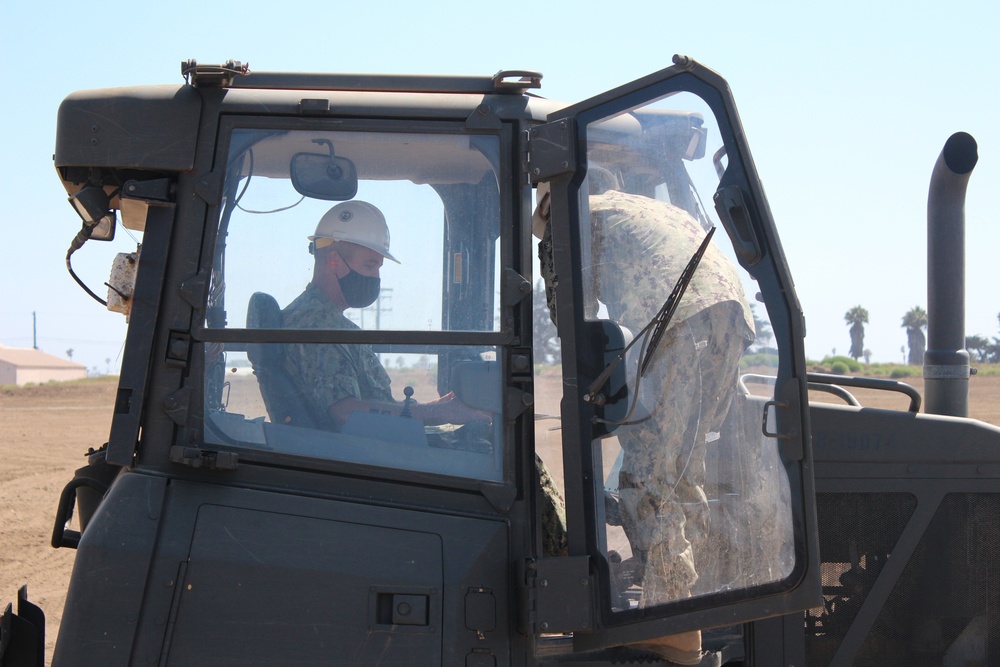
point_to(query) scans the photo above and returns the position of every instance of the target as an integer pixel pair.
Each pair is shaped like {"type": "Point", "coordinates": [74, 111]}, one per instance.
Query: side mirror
{"type": "Point", "coordinates": [606, 341]}
{"type": "Point", "coordinates": [324, 176]}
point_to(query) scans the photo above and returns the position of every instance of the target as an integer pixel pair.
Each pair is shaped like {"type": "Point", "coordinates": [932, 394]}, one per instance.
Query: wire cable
{"type": "Point", "coordinates": [77, 243]}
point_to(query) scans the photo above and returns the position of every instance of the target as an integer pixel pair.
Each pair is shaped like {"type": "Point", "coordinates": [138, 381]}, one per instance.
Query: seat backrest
{"type": "Point", "coordinates": [282, 396]}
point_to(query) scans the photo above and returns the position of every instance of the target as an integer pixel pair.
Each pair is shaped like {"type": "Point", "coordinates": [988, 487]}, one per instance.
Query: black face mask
{"type": "Point", "coordinates": [359, 291]}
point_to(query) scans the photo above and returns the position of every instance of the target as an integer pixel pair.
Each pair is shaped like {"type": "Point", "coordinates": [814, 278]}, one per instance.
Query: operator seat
{"type": "Point", "coordinates": [282, 397]}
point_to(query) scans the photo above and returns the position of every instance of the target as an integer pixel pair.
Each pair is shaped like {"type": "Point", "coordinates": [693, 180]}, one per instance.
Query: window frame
{"type": "Point", "coordinates": [582, 361]}
{"type": "Point", "coordinates": [499, 492]}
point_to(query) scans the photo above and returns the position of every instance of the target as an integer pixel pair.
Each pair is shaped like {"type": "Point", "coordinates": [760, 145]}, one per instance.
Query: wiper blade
{"type": "Point", "coordinates": [659, 324]}
{"type": "Point", "coordinates": [663, 317]}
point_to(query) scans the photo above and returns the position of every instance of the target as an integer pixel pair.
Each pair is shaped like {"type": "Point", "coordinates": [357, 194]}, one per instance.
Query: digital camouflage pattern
{"type": "Point", "coordinates": [638, 249]}
{"type": "Point", "coordinates": [687, 391]}
{"type": "Point", "coordinates": [546, 259]}
{"type": "Point", "coordinates": [554, 541]}
{"type": "Point", "coordinates": [328, 373]}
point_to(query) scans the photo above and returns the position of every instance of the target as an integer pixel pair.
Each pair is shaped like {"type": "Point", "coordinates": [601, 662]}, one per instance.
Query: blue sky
{"type": "Point", "coordinates": [846, 107]}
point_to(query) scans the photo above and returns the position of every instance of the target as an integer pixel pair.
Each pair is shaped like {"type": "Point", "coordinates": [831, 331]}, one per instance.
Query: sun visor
{"type": "Point", "coordinates": [151, 128]}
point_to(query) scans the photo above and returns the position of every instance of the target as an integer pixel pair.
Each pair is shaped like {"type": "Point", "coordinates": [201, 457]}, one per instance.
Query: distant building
{"type": "Point", "coordinates": [20, 366]}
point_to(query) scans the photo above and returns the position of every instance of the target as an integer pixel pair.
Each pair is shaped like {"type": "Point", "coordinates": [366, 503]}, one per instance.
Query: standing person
{"type": "Point", "coordinates": [638, 248]}
{"type": "Point", "coordinates": [349, 246]}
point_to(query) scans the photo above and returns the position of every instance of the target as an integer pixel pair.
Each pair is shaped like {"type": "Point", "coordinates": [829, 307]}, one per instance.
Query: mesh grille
{"type": "Point", "coordinates": [944, 608]}
{"type": "Point", "coordinates": [857, 532]}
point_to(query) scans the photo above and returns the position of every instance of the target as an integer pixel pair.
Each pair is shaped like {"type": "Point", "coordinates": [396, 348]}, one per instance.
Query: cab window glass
{"type": "Point", "coordinates": [438, 195]}
{"type": "Point", "coordinates": [695, 498]}
{"type": "Point", "coordinates": [326, 241]}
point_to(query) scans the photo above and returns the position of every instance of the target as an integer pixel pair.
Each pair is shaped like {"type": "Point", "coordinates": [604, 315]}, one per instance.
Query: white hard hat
{"type": "Point", "coordinates": [355, 222]}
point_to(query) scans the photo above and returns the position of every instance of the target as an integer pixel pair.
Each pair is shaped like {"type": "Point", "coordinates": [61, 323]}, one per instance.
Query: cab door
{"type": "Point", "coordinates": [688, 468]}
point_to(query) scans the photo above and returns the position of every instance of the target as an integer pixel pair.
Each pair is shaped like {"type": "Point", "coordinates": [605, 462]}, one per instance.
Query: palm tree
{"type": "Point", "coordinates": [857, 317]}
{"type": "Point", "coordinates": [762, 329]}
{"type": "Point", "coordinates": [915, 321]}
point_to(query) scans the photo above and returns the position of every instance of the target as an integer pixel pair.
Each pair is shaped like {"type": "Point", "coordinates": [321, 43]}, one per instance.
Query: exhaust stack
{"type": "Point", "coordinates": [946, 361]}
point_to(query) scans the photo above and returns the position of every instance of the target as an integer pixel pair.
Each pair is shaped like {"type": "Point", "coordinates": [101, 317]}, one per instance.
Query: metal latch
{"type": "Point", "coordinates": [213, 76]}
{"type": "Point", "coordinates": [203, 458]}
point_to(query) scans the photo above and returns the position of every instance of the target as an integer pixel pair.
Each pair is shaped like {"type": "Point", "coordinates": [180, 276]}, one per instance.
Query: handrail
{"type": "Point", "coordinates": [868, 383]}
{"type": "Point", "coordinates": [236, 74]}
{"type": "Point", "coordinates": [837, 391]}
{"type": "Point", "coordinates": [831, 384]}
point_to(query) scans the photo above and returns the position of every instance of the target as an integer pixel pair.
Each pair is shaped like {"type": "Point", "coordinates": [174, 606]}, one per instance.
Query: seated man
{"type": "Point", "coordinates": [349, 246]}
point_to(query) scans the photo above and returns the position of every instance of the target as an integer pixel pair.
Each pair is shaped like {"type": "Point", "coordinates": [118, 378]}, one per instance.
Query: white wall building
{"type": "Point", "coordinates": [21, 366]}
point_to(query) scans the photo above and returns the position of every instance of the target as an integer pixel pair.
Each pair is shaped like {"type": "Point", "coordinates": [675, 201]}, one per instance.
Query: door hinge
{"type": "Point", "coordinates": [517, 402]}
{"type": "Point", "coordinates": [209, 188]}
{"type": "Point", "coordinates": [516, 287]}
{"type": "Point", "coordinates": [203, 458]}
{"type": "Point", "coordinates": [551, 150]}
{"type": "Point", "coordinates": [157, 190]}
{"type": "Point", "coordinates": [193, 289]}
{"type": "Point", "coordinates": [176, 405]}
{"type": "Point", "coordinates": [558, 595]}
{"type": "Point", "coordinates": [525, 138]}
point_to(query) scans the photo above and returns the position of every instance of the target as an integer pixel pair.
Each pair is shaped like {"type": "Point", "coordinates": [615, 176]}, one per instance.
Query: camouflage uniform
{"type": "Point", "coordinates": [638, 249]}
{"type": "Point", "coordinates": [554, 541]}
{"type": "Point", "coordinates": [327, 373]}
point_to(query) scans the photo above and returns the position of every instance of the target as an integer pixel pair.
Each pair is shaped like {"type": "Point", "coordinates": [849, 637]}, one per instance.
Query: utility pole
{"type": "Point", "coordinates": [384, 295]}
{"type": "Point", "coordinates": [34, 330]}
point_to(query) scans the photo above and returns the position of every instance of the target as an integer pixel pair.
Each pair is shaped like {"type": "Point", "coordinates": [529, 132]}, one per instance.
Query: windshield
{"type": "Point", "coordinates": [355, 287]}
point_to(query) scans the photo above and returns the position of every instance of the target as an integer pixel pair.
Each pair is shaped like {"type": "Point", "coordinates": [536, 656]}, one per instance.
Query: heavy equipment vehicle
{"type": "Point", "coordinates": [220, 525]}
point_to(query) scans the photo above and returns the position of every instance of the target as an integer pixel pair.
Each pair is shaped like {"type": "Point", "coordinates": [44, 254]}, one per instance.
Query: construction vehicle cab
{"type": "Point", "coordinates": [239, 526]}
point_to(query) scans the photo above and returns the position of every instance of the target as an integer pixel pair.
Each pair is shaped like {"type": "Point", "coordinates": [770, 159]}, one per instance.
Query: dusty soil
{"type": "Point", "coordinates": [45, 432]}
{"type": "Point", "coordinates": [984, 397]}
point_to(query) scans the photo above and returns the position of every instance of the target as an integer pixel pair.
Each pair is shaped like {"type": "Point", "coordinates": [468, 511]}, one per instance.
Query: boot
{"type": "Point", "coordinates": [683, 649]}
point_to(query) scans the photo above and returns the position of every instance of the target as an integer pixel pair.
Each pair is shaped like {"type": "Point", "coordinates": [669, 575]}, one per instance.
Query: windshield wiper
{"type": "Point", "coordinates": [658, 324]}
{"type": "Point", "coordinates": [662, 318]}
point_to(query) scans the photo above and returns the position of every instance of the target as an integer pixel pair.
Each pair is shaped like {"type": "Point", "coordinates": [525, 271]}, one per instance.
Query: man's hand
{"type": "Point", "coordinates": [449, 409]}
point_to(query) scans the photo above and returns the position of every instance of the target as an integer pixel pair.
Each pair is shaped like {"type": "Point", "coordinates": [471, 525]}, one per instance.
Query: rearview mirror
{"type": "Point", "coordinates": [324, 176]}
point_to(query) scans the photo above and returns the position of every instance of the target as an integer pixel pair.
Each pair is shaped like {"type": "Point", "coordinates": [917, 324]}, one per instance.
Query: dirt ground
{"type": "Point", "coordinates": [45, 432]}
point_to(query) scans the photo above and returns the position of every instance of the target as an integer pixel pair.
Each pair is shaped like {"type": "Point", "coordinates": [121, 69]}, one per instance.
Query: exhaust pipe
{"type": "Point", "coordinates": [946, 361]}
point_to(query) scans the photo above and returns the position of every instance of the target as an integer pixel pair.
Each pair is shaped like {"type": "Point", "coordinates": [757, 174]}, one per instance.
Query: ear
{"type": "Point", "coordinates": [326, 255]}
{"type": "Point", "coordinates": [334, 261]}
